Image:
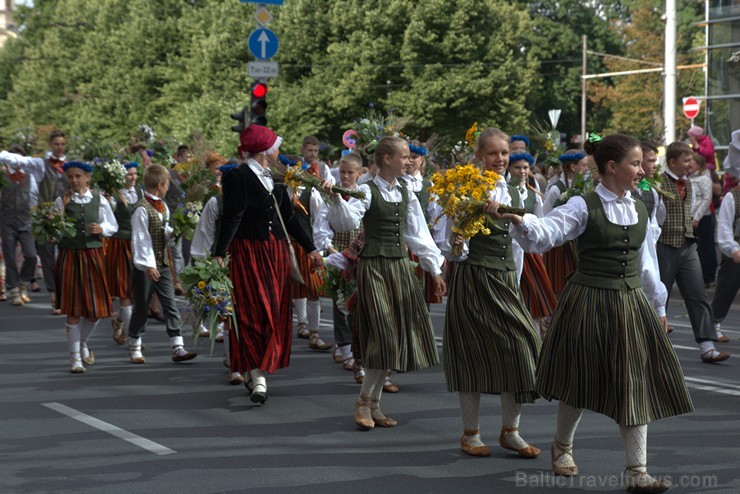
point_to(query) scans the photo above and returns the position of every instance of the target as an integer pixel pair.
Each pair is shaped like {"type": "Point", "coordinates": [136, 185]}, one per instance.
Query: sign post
{"type": "Point", "coordinates": [691, 107]}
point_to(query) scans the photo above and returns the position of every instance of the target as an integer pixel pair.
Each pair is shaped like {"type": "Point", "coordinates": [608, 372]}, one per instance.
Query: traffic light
{"type": "Point", "coordinates": [242, 117]}
{"type": "Point", "coordinates": [258, 103]}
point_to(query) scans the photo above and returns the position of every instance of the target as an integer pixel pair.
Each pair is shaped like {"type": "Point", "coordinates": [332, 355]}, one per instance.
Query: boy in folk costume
{"type": "Point", "coordinates": [16, 201]}
{"type": "Point", "coordinates": [150, 236]}
{"type": "Point", "coordinates": [728, 239]}
{"type": "Point", "coordinates": [118, 259]}
{"type": "Point", "coordinates": [82, 291]}
{"type": "Point", "coordinates": [330, 242]}
{"type": "Point", "coordinates": [51, 181]}
{"type": "Point", "coordinates": [606, 349]}
{"type": "Point", "coordinates": [677, 254]}
{"type": "Point", "coordinates": [201, 247]}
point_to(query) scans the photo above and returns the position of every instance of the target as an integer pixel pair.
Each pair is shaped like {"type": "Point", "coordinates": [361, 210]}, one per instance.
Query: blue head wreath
{"type": "Point", "coordinates": [286, 161]}
{"type": "Point", "coordinates": [522, 138]}
{"type": "Point", "coordinates": [85, 167]}
{"type": "Point", "coordinates": [224, 169]}
{"type": "Point", "coordinates": [420, 150]}
{"type": "Point", "coordinates": [570, 157]}
{"type": "Point", "coordinates": [521, 156]}
{"type": "Point", "coordinates": [131, 164]}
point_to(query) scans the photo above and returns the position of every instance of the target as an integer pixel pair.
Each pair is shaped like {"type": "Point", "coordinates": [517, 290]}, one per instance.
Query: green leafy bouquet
{"type": "Point", "coordinates": [208, 293]}
{"type": "Point", "coordinates": [184, 219]}
{"type": "Point", "coordinates": [49, 225]}
{"type": "Point", "coordinates": [340, 285]}
{"type": "Point", "coordinates": [580, 185]}
{"type": "Point", "coordinates": [109, 176]}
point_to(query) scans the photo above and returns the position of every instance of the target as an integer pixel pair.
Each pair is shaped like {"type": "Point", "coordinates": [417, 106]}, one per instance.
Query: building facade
{"type": "Point", "coordinates": [7, 27]}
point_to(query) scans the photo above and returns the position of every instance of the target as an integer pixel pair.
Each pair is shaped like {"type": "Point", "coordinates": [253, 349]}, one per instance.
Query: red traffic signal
{"type": "Point", "coordinates": [259, 90]}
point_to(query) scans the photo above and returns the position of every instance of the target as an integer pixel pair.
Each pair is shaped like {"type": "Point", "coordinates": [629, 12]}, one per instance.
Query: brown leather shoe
{"type": "Point", "coordinates": [380, 419]}
{"type": "Point", "coordinates": [708, 358]}
{"type": "Point", "coordinates": [118, 335]}
{"type": "Point", "coordinates": [176, 357]}
{"type": "Point", "coordinates": [723, 339]}
{"type": "Point", "coordinates": [527, 452]}
{"type": "Point", "coordinates": [363, 417]}
{"type": "Point", "coordinates": [316, 343]}
{"type": "Point", "coordinates": [388, 385]}
{"type": "Point", "coordinates": [645, 484]}
{"type": "Point", "coordinates": [556, 454]}
{"type": "Point", "coordinates": [473, 450]}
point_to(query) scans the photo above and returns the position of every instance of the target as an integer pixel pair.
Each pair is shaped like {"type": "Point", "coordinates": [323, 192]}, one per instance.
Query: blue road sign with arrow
{"type": "Point", "coordinates": [263, 43]}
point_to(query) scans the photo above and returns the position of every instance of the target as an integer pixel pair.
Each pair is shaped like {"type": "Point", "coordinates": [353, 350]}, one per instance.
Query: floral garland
{"type": "Point", "coordinates": [184, 219]}
{"type": "Point", "coordinates": [49, 225]}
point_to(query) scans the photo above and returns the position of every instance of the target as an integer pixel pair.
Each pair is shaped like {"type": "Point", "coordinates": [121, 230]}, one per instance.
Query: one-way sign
{"type": "Point", "coordinates": [263, 43]}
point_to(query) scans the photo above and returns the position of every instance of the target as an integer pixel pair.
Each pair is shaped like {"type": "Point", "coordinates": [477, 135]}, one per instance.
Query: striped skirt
{"type": "Point", "coordinates": [560, 263]}
{"type": "Point", "coordinates": [537, 291]}
{"type": "Point", "coordinates": [490, 343]}
{"type": "Point", "coordinates": [312, 287]}
{"type": "Point", "coordinates": [427, 282]}
{"type": "Point", "coordinates": [118, 266]}
{"type": "Point", "coordinates": [81, 287]}
{"type": "Point", "coordinates": [260, 271]}
{"type": "Point", "coordinates": [394, 330]}
{"type": "Point", "coordinates": [606, 351]}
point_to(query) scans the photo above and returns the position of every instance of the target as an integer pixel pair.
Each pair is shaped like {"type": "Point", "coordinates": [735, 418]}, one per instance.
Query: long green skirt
{"type": "Point", "coordinates": [490, 343]}
{"type": "Point", "coordinates": [606, 351]}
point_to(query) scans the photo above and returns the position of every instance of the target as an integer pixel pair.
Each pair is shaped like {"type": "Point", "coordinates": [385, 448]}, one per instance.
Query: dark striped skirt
{"type": "Point", "coordinates": [427, 282]}
{"type": "Point", "coordinates": [560, 263]}
{"type": "Point", "coordinates": [118, 266]}
{"type": "Point", "coordinates": [606, 351]}
{"type": "Point", "coordinates": [490, 343]}
{"type": "Point", "coordinates": [260, 271]}
{"type": "Point", "coordinates": [536, 287]}
{"type": "Point", "coordinates": [81, 287]}
{"type": "Point", "coordinates": [394, 330]}
{"type": "Point", "coordinates": [312, 287]}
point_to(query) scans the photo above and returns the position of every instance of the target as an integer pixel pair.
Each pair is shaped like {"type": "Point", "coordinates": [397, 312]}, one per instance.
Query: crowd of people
{"type": "Point", "coordinates": [564, 300]}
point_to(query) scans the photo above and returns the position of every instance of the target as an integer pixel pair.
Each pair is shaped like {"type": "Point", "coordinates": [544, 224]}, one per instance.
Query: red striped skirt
{"type": "Point", "coordinates": [536, 287]}
{"type": "Point", "coordinates": [260, 271]}
{"type": "Point", "coordinates": [118, 266]}
{"type": "Point", "coordinates": [81, 286]}
{"type": "Point", "coordinates": [313, 287]}
{"type": "Point", "coordinates": [560, 263]}
{"type": "Point", "coordinates": [427, 282]}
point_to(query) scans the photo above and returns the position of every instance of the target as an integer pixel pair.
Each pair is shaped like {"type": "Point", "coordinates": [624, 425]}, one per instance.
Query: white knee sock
{"type": "Point", "coordinates": [511, 411]}
{"type": "Point", "coordinates": [299, 306]}
{"type": "Point", "coordinates": [73, 343]}
{"type": "Point", "coordinates": [635, 447]}
{"type": "Point", "coordinates": [125, 316]}
{"type": "Point", "coordinates": [469, 409]}
{"type": "Point", "coordinates": [86, 329]}
{"type": "Point", "coordinates": [373, 379]}
{"type": "Point", "coordinates": [568, 418]}
{"type": "Point", "coordinates": [313, 314]}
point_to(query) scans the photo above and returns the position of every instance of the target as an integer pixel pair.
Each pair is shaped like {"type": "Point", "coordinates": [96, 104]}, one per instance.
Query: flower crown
{"type": "Point", "coordinates": [521, 156]}
{"type": "Point", "coordinates": [522, 138]}
{"type": "Point", "coordinates": [78, 164]}
{"type": "Point", "coordinates": [224, 169]}
{"type": "Point", "coordinates": [568, 157]}
{"type": "Point", "coordinates": [420, 150]}
{"type": "Point", "coordinates": [132, 164]}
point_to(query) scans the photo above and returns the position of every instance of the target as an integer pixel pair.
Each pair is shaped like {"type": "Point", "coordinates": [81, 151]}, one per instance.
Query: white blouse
{"type": "Point", "coordinates": [34, 166]}
{"type": "Point", "coordinates": [725, 234]}
{"type": "Point", "coordinates": [702, 187]}
{"type": "Point", "coordinates": [501, 195]}
{"type": "Point", "coordinates": [323, 235]}
{"type": "Point", "coordinates": [106, 218]}
{"type": "Point", "coordinates": [141, 240]}
{"type": "Point", "coordinates": [552, 194]}
{"type": "Point", "coordinates": [344, 216]}
{"type": "Point", "coordinates": [569, 221]}
{"type": "Point", "coordinates": [205, 232]}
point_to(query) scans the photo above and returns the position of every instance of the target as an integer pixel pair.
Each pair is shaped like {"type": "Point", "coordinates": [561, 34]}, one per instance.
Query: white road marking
{"type": "Point", "coordinates": [111, 429]}
{"type": "Point", "coordinates": [712, 383]}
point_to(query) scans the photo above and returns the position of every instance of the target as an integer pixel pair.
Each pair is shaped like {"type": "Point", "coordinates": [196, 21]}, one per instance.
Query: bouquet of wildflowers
{"type": "Point", "coordinates": [208, 293]}
{"type": "Point", "coordinates": [49, 225]}
{"type": "Point", "coordinates": [184, 220]}
{"type": "Point", "coordinates": [109, 176]}
{"type": "Point", "coordinates": [340, 285]}
{"type": "Point", "coordinates": [296, 177]}
{"type": "Point", "coordinates": [582, 184]}
{"type": "Point", "coordinates": [462, 192]}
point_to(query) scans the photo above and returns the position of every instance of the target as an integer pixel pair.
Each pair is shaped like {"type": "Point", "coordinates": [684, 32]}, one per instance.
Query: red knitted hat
{"type": "Point", "coordinates": [258, 139]}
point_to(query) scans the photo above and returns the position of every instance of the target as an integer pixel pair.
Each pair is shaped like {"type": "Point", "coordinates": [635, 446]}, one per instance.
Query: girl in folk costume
{"type": "Point", "coordinates": [491, 345]}
{"type": "Point", "coordinates": [535, 284]}
{"type": "Point", "coordinates": [82, 291]}
{"type": "Point", "coordinates": [118, 258]}
{"type": "Point", "coordinates": [252, 233]}
{"type": "Point", "coordinates": [307, 202]}
{"type": "Point", "coordinates": [209, 226]}
{"type": "Point", "coordinates": [607, 349]}
{"type": "Point", "coordinates": [561, 261]}
{"type": "Point", "coordinates": [331, 242]}
{"type": "Point", "coordinates": [394, 328]}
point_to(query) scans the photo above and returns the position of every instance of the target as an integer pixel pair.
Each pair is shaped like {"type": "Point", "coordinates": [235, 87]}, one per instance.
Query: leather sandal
{"type": "Point", "coordinates": [358, 372]}
{"type": "Point", "coordinates": [710, 358]}
{"type": "Point", "coordinates": [527, 452]}
{"type": "Point", "coordinates": [641, 482]}
{"type": "Point", "coordinates": [363, 415]}
{"type": "Point", "coordinates": [562, 450]}
{"type": "Point", "coordinates": [303, 331]}
{"type": "Point", "coordinates": [380, 419]}
{"type": "Point", "coordinates": [723, 339]}
{"type": "Point", "coordinates": [118, 335]}
{"type": "Point", "coordinates": [470, 449]}
{"type": "Point", "coordinates": [316, 343]}
{"type": "Point", "coordinates": [388, 385]}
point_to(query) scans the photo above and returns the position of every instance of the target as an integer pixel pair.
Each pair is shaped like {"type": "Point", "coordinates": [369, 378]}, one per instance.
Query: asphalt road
{"type": "Point", "coordinates": [181, 428]}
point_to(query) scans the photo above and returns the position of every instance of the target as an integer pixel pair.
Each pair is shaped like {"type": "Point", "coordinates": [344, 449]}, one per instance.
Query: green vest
{"type": "Point", "coordinates": [123, 214]}
{"type": "Point", "coordinates": [607, 252]}
{"type": "Point", "coordinates": [530, 202]}
{"type": "Point", "coordinates": [562, 188]}
{"type": "Point", "coordinates": [423, 196]}
{"type": "Point", "coordinates": [83, 214]}
{"type": "Point", "coordinates": [156, 232]}
{"type": "Point", "coordinates": [384, 223]}
{"type": "Point", "coordinates": [494, 251]}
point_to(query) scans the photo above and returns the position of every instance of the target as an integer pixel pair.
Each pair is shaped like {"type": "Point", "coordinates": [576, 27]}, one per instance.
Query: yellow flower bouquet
{"type": "Point", "coordinates": [296, 178]}
{"type": "Point", "coordinates": [462, 192]}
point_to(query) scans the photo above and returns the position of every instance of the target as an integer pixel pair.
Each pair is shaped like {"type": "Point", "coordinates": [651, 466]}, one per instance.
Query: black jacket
{"type": "Point", "coordinates": [249, 211]}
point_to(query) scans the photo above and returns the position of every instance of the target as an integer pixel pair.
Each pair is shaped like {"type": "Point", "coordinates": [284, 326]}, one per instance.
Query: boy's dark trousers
{"type": "Point", "coordinates": [143, 289]}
